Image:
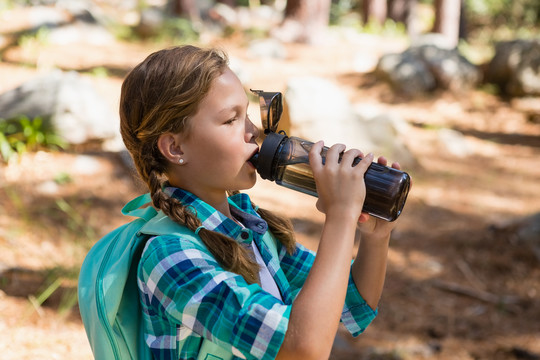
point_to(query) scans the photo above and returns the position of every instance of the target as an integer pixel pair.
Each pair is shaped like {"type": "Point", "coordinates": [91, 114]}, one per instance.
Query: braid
{"type": "Point", "coordinates": [281, 228]}
{"type": "Point", "coordinates": [230, 254]}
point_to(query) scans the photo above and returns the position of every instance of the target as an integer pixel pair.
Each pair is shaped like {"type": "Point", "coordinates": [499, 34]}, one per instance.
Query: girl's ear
{"type": "Point", "coordinates": [170, 147]}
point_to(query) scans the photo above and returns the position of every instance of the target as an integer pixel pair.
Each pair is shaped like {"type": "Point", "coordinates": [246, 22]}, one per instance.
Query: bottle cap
{"type": "Point", "coordinates": [267, 155]}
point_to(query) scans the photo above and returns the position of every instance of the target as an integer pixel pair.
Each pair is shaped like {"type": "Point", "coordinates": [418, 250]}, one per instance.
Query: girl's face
{"type": "Point", "coordinates": [219, 141]}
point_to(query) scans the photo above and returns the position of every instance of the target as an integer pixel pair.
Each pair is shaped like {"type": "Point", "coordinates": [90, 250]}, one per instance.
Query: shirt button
{"type": "Point", "coordinates": [244, 235]}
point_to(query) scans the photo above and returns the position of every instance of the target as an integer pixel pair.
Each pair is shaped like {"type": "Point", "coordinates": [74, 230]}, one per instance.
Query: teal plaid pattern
{"type": "Point", "coordinates": [187, 296]}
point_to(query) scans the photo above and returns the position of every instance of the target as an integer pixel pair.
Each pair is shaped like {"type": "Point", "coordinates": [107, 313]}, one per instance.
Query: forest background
{"type": "Point", "coordinates": [463, 281]}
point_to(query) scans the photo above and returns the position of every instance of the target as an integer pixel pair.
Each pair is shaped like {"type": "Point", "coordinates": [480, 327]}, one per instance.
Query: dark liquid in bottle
{"type": "Point", "coordinates": [386, 188]}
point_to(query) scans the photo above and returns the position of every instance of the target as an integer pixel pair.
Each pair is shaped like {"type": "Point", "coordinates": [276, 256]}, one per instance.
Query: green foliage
{"type": "Point", "coordinates": [173, 29]}
{"type": "Point", "coordinates": [121, 31]}
{"type": "Point", "coordinates": [75, 221]}
{"type": "Point", "coordinates": [508, 13]}
{"type": "Point", "coordinates": [22, 134]}
{"type": "Point", "coordinates": [178, 29]}
{"type": "Point", "coordinates": [35, 39]}
{"type": "Point", "coordinates": [389, 28]}
{"type": "Point", "coordinates": [63, 178]}
{"type": "Point", "coordinates": [62, 282]}
{"type": "Point", "coordinates": [99, 72]}
{"type": "Point", "coordinates": [339, 10]}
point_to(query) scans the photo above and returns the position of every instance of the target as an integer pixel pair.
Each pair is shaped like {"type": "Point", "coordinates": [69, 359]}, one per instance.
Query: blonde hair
{"type": "Point", "coordinates": [158, 96]}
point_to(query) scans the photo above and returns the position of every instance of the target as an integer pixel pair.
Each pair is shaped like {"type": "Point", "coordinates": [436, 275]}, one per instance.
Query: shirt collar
{"type": "Point", "coordinates": [214, 220]}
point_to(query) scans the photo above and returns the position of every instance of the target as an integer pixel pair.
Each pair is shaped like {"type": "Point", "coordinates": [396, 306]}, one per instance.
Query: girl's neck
{"type": "Point", "coordinates": [220, 203]}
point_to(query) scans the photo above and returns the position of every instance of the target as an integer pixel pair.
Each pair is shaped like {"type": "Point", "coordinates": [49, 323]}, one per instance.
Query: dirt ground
{"type": "Point", "coordinates": [459, 284]}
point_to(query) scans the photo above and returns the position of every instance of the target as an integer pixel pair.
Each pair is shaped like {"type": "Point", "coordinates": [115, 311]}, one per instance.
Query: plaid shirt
{"type": "Point", "coordinates": [187, 296]}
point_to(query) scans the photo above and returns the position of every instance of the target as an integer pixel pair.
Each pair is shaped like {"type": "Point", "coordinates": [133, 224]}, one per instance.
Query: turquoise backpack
{"type": "Point", "coordinates": [108, 292]}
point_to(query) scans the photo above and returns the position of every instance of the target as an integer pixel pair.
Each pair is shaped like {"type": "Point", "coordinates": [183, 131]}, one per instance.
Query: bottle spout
{"type": "Point", "coordinates": [255, 160]}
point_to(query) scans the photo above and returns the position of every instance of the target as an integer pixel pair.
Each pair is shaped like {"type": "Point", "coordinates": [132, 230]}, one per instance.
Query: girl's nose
{"type": "Point", "coordinates": [251, 130]}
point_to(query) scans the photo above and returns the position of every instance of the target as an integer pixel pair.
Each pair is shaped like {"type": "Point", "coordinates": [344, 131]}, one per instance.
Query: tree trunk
{"type": "Point", "coordinates": [447, 19]}
{"type": "Point", "coordinates": [374, 10]}
{"type": "Point", "coordinates": [231, 3]}
{"type": "Point", "coordinates": [404, 11]}
{"type": "Point", "coordinates": [185, 8]}
{"type": "Point", "coordinates": [304, 21]}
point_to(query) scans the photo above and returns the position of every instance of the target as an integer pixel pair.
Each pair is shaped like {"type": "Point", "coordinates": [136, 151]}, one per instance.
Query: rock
{"type": "Point", "coordinates": [151, 22]}
{"type": "Point", "coordinates": [80, 33]}
{"type": "Point", "coordinates": [454, 143]}
{"type": "Point", "coordinates": [40, 16]}
{"type": "Point", "coordinates": [48, 187]}
{"type": "Point", "coordinates": [426, 67]}
{"type": "Point", "coordinates": [319, 109]}
{"type": "Point", "coordinates": [81, 10]}
{"type": "Point", "coordinates": [69, 22]}
{"type": "Point", "coordinates": [524, 231]}
{"type": "Point", "coordinates": [66, 102]}
{"type": "Point", "coordinates": [386, 131]}
{"type": "Point", "coordinates": [224, 14]}
{"type": "Point", "coordinates": [267, 48]}
{"type": "Point", "coordinates": [87, 165]}
{"type": "Point", "coordinates": [515, 68]}
{"type": "Point", "coordinates": [529, 233]}
{"type": "Point", "coordinates": [406, 74]}
{"type": "Point", "coordinates": [450, 69]}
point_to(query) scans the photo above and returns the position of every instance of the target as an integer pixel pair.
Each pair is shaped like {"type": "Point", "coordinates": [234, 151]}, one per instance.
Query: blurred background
{"type": "Point", "coordinates": [449, 88]}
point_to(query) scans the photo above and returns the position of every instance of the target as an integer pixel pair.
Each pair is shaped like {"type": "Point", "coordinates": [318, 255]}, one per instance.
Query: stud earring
{"type": "Point", "coordinates": [180, 161]}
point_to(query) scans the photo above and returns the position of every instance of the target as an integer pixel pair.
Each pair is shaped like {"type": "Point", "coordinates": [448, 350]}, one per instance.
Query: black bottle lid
{"type": "Point", "coordinates": [265, 159]}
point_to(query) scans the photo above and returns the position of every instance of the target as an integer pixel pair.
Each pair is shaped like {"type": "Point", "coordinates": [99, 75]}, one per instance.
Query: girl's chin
{"type": "Point", "coordinates": [249, 184]}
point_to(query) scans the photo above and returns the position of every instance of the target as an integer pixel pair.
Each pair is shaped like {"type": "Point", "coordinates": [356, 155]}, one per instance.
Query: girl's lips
{"type": "Point", "coordinates": [253, 160]}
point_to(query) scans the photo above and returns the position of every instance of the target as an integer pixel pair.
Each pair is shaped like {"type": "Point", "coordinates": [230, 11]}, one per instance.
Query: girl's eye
{"type": "Point", "coordinates": [228, 122]}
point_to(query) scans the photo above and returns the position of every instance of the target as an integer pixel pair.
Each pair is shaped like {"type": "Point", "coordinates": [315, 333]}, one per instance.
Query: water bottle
{"type": "Point", "coordinates": [285, 160]}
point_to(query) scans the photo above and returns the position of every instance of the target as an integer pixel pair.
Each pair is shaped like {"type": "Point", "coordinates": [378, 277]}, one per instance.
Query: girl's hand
{"type": "Point", "coordinates": [372, 226]}
{"type": "Point", "coordinates": [340, 186]}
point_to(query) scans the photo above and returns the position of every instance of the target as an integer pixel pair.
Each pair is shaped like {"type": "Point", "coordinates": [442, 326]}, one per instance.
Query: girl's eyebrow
{"type": "Point", "coordinates": [232, 108]}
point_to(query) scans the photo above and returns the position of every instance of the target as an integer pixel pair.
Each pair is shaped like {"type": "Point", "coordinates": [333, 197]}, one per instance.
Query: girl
{"type": "Point", "coordinates": [184, 121]}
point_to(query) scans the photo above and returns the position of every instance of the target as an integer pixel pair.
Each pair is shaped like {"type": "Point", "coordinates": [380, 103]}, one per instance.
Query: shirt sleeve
{"type": "Point", "coordinates": [357, 314]}
{"type": "Point", "coordinates": [187, 286]}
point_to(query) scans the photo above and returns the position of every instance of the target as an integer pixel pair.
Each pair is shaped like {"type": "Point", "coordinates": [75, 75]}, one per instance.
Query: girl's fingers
{"type": "Point", "coordinates": [315, 159]}
{"type": "Point", "coordinates": [364, 164]}
{"type": "Point", "coordinates": [350, 155]}
{"type": "Point", "coordinates": [332, 156]}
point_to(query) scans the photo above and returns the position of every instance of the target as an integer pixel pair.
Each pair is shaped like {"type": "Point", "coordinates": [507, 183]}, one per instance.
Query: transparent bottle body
{"type": "Point", "coordinates": [386, 188]}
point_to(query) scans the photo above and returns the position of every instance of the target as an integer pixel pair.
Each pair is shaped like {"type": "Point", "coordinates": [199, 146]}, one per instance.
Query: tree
{"type": "Point", "coordinates": [304, 21]}
{"type": "Point", "coordinates": [185, 8]}
{"type": "Point", "coordinates": [374, 10]}
{"type": "Point", "coordinates": [404, 11]}
{"type": "Point", "coordinates": [447, 19]}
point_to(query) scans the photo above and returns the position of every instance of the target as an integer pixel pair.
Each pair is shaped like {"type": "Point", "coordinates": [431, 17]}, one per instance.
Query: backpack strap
{"type": "Point", "coordinates": [161, 224]}
{"type": "Point", "coordinates": [140, 207]}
